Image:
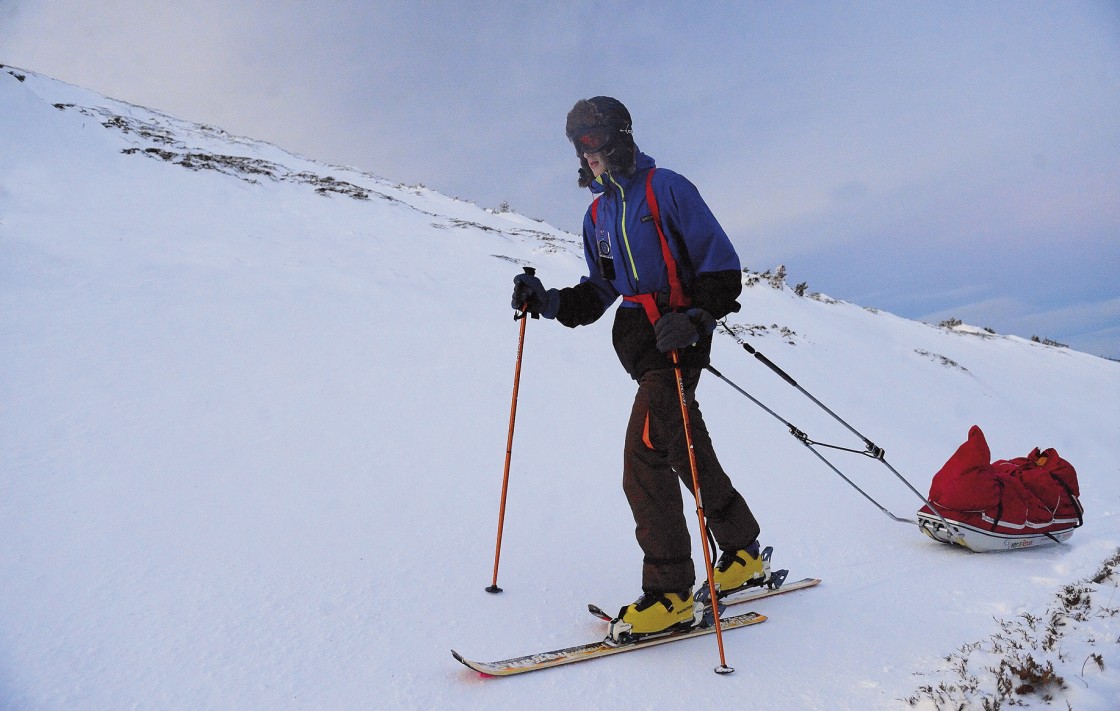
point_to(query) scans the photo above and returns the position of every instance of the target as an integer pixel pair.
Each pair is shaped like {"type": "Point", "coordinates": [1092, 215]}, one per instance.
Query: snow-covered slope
{"type": "Point", "coordinates": [253, 413]}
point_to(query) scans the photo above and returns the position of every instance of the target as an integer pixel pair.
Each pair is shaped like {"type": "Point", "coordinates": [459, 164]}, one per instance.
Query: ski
{"type": "Point", "coordinates": [594, 650]}
{"type": "Point", "coordinates": [737, 597]}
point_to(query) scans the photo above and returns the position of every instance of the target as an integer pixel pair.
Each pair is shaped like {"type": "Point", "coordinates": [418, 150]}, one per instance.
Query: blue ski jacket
{"type": "Point", "coordinates": [624, 258]}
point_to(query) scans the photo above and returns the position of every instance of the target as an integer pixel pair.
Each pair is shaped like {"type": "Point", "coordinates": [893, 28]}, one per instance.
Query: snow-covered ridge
{"type": "Point", "coordinates": [157, 135]}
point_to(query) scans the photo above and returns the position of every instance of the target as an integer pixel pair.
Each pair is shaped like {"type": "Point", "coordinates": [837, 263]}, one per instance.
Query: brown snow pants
{"type": "Point", "coordinates": [656, 463]}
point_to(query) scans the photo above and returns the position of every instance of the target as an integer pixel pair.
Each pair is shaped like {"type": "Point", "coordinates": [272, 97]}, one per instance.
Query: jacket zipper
{"type": "Point", "coordinates": [625, 236]}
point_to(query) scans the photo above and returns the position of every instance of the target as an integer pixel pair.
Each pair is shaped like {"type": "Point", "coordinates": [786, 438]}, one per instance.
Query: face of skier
{"type": "Point", "coordinates": [596, 162]}
{"type": "Point", "coordinates": [594, 143]}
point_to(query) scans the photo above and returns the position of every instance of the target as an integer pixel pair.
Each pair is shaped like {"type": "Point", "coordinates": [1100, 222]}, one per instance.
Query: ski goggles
{"type": "Point", "coordinates": [592, 139]}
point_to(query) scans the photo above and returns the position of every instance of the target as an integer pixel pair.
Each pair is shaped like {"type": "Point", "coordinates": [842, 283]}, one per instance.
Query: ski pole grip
{"type": "Point", "coordinates": [525, 307]}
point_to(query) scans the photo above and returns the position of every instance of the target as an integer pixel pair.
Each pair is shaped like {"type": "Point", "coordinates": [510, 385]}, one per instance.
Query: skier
{"type": "Point", "coordinates": [650, 238]}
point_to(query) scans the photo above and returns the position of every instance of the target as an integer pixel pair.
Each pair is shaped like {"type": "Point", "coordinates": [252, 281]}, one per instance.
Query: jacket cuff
{"type": "Point", "coordinates": [552, 303]}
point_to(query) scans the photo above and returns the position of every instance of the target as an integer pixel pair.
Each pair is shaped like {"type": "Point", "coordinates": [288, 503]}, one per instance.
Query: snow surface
{"type": "Point", "coordinates": [253, 414]}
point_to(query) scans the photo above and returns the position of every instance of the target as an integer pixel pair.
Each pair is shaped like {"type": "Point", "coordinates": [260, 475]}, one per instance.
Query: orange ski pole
{"type": "Point", "coordinates": [722, 668]}
{"type": "Point", "coordinates": [523, 317]}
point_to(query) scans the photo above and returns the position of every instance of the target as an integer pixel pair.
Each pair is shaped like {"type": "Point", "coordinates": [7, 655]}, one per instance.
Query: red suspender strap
{"type": "Point", "coordinates": [677, 297]}
{"type": "Point", "coordinates": [649, 303]}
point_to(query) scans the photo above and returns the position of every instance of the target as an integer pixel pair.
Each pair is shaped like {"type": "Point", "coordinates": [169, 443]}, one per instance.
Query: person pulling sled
{"type": "Point", "coordinates": [650, 238]}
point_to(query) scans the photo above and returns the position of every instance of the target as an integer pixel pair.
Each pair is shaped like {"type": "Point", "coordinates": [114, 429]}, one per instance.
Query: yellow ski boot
{"type": "Point", "coordinates": [653, 613]}
{"type": "Point", "coordinates": [741, 568]}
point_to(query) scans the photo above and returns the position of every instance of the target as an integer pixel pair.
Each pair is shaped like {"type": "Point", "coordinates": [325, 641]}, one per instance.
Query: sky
{"type": "Point", "coordinates": [935, 160]}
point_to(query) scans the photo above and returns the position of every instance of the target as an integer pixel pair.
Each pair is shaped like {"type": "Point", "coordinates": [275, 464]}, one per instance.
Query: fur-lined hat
{"type": "Point", "coordinates": [603, 122]}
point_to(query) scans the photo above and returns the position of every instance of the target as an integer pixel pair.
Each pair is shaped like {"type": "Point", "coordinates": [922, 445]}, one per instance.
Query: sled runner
{"type": "Point", "coordinates": [984, 541]}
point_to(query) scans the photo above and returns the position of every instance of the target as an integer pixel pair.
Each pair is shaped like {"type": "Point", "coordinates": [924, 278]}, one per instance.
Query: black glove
{"type": "Point", "coordinates": [529, 294]}
{"type": "Point", "coordinates": [676, 330]}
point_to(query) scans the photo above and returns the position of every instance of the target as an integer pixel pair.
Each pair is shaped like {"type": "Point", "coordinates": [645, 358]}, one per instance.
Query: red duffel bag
{"type": "Point", "coordinates": [1003, 504]}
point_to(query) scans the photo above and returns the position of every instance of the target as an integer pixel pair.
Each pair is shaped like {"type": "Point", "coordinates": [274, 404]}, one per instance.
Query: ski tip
{"type": "Point", "coordinates": [465, 662]}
